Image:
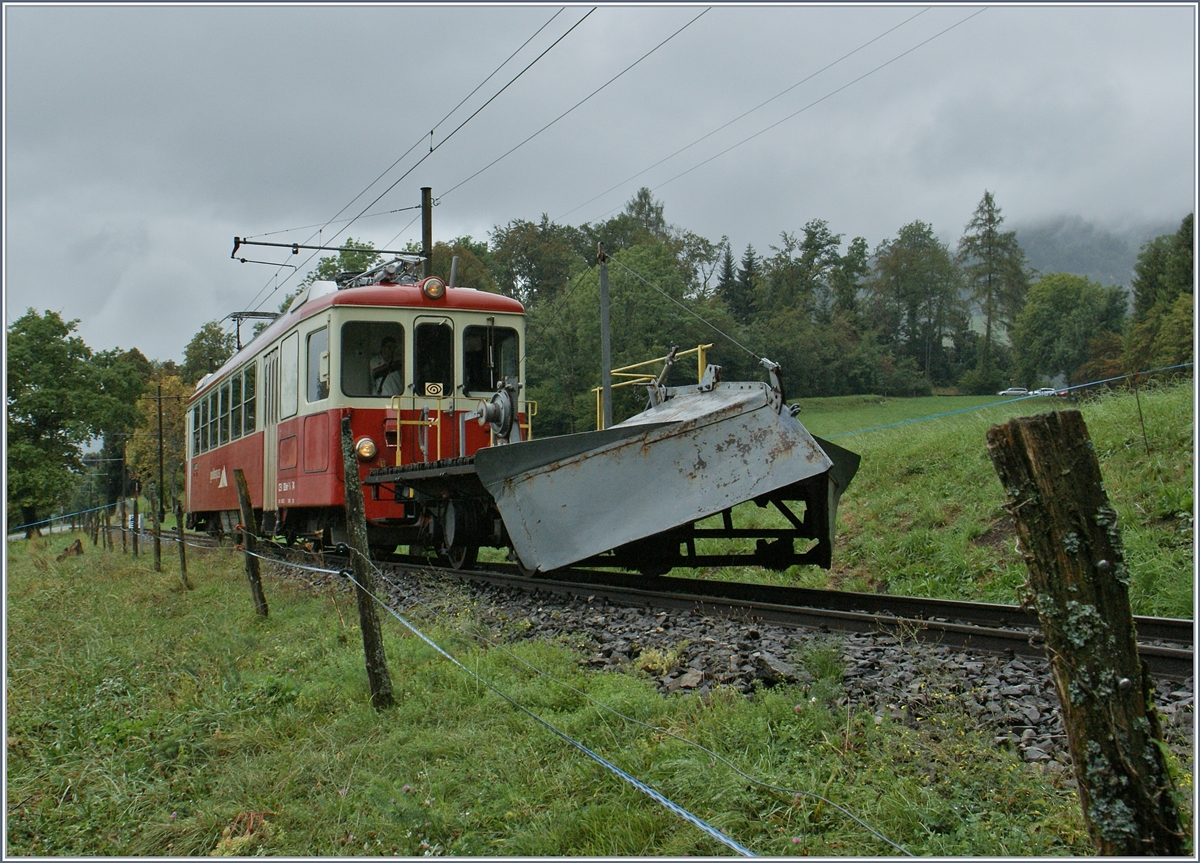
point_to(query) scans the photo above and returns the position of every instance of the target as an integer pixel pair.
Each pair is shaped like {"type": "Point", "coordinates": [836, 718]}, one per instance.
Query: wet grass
{"type": "Point", "coordinates": [924, 516]}
{"type": "Point", "coordinates": [143, 719]}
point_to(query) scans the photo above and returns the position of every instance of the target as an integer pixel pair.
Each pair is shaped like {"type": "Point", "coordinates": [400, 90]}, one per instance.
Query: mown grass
{"type": "Point", "coordinates": [148, 720]}
{"type": "Point", "coordinates": [924, 516]}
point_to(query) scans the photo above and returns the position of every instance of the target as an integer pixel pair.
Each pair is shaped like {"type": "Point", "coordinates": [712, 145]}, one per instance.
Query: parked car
{"type": "Point", "coordinates": [1045, 391]}
{"type": "Point", "coordinates": [1014, 391]}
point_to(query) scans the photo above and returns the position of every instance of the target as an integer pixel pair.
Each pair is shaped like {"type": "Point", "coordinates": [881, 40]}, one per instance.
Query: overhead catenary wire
{"type": "Point", "coordinates": [822, 99]}
{"type": "Point", "coordinates": [691, 312]}
{"type": "Point", "coordinates": [576, 105]}
{"type": "Point", "coordinates": [455, 131]}
{"type": "Point", "coordinates": [745, 114]}
{"type": "Point", "coordinates": [432, 148]}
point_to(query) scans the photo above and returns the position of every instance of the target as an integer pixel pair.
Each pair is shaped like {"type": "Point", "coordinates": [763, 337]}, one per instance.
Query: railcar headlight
{"type": "Point", "coordinates": [365, 448]}
{"type": "Point", "coordinates": [434, 288]}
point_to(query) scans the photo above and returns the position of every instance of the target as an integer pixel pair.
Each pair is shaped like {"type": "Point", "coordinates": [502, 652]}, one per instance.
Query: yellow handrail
{"type": "Point", "coordinates": [633, 379]}
{"type": "Point", "coordinates": [436, 422]}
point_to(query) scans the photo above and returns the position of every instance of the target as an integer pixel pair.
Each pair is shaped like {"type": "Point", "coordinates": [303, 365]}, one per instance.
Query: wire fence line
{"type": "Point", "coordinates": [1009, 401]}
{"type": "Point", "coordinates": [447, 622]}
{"type": "Point", "coordinates": [1072, 388]}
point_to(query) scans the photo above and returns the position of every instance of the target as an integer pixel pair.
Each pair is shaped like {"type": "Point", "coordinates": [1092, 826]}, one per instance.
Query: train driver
{"type": "Point", "coordinates": [387, 370]}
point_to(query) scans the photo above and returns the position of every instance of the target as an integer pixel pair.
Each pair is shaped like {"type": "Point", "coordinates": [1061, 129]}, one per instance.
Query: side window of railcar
{"type": "Point", "coordinates": [235, 406]}
{"type": "Point", "coordinates": [210, 421]}
{"type": "Point", "coordinates": [490, 354]}
{"type": "Point", "coordinates": [249, 417]}
{"type": "Point", "coordinates": [318, 365]}
{"type": "Point", "coordinates": [433, 355]}
{"type": "Point", "coordinates": [196, 428]}
{"type": "Point", "coordinates": [372, 358]}
{"type": "Point", "coordinates": [224, 393]}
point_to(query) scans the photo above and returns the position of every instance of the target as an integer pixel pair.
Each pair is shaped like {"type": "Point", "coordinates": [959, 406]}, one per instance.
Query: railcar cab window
{"type": "Point", "coordinates": [318, 365]}
{"type": "Point", "coordinates": [433, 355]}
{"type": "Point", "coordinates": [372, 359]}
{"type": "Point", "coordinates": [490, 354]}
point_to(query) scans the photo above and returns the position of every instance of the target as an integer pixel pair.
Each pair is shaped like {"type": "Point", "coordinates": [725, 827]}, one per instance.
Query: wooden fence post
{"type": "Point", "coordinates": [248, 529]}
{"type": "Point", "coordinates": [179, 537]}
{"type": "Point", "coordinates": [124, 527]}
{"type": "Point", "coordinates": [1072, 547]}
{"type": "Point", "coordinates": [378, 679]}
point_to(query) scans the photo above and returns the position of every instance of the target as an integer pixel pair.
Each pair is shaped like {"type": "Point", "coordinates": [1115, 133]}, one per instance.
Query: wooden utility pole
{"type": "Point", "coordinates": [378, 678]}
{"type": "Point", "coordinates": [605, 341]}
{"type": "Point", "coordinates": [248, 528]}
{"type": "Point", "coordinates": [137, 525]}
{"type": "Point", "coordinates": [1080, 584]}
{"type": "Point", "coordinates": [155, 497]}
{"type": "Point", "coordinates": [187, 585]}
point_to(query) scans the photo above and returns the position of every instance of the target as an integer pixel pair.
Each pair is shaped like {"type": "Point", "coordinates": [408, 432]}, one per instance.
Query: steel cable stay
{"type": "Point", "coordinates": [745, 113]}
{"type": "Point", "coordinates": [694, 314]}
{"type": "Point", "coordinates": [320, 227]}
{"type": "Point", "coordinates": [432, 148]}
{"type": "Point", "coordinates": [810, 105]}
{"type": "Point", "coordinates": [577, 104]}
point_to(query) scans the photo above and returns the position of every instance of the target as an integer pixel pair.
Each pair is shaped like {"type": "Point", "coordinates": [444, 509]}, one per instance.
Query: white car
{"type": "Point", "coordinates": [1014, 391]}
{"type": "Point", "coordinates": [1045, 391]}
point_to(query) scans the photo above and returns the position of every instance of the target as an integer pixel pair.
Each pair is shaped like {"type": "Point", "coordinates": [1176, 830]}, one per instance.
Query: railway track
{"type": "Point", "coordinates": [1166, 644]}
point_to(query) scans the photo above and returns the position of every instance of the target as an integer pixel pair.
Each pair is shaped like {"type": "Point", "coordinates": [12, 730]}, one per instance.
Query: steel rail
{"type": "Point", "coordinates": [987, 627]}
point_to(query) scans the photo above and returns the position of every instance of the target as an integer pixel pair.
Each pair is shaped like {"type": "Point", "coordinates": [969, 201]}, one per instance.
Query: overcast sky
{"type": "Point", "coordinates": [139, 140]}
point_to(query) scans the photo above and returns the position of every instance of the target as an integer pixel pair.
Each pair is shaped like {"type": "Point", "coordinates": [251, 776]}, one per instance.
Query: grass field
{"type": "Point", "coordinates": [147, 720]}
{"type": "Point", "coordinates": [924, 516]}
{"type": "Point", "coordinates": [143, 719]}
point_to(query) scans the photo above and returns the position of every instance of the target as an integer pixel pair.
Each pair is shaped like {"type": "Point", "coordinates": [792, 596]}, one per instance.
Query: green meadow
{"type": "Point", "coordinates": [925, 517]}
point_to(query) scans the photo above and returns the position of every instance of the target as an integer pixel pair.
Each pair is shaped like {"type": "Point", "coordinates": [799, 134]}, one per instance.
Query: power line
{"type": "Point", "coordinates": [746, 113]}
{"type": "Point", "coordinates": [577, 104]}
{"type": "Point", "coordinates": [822, 99]}
{"type": "Point", "coordinates": [422, 138]}
{"type": "Point", "coordinates": [434, 149]}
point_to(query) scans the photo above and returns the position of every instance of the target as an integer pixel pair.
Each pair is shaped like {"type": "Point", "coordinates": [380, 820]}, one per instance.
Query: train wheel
{"type": "Point", "coordinates": [462, 556]}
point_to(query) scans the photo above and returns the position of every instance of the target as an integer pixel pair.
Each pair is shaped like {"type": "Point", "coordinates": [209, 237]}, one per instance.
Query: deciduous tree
{"type": "Point", "coordinates": [206, 352]}
{"type": "Point", "coordinates": [1063, 314]}
{"type": "Point", "coordinates": [56, 402]}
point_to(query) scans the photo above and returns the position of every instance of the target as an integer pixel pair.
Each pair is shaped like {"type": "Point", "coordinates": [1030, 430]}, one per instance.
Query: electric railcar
{"type": "Point", "coordinates": [408, 360]}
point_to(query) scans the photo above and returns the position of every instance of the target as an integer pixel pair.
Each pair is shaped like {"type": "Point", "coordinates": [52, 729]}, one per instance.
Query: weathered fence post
{"type": "Point", "coordinates": [248, 528]}
{"type": "Point", "coordinates": [1072, 547]}
{"type": "Point", "coordinates": [179, 536]}
{"type": "Point", "coordinates": [124, 527]}
{"type": "Point", "coordinates": [378, 678]}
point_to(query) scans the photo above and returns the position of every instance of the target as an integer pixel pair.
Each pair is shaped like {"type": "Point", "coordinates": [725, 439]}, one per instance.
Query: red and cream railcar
{"type": "Point", "coordinates": [406, 362]}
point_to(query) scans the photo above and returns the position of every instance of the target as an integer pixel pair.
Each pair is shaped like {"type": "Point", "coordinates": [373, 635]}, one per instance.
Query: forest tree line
{"type": "Point", "coordinates": [910, 317]}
